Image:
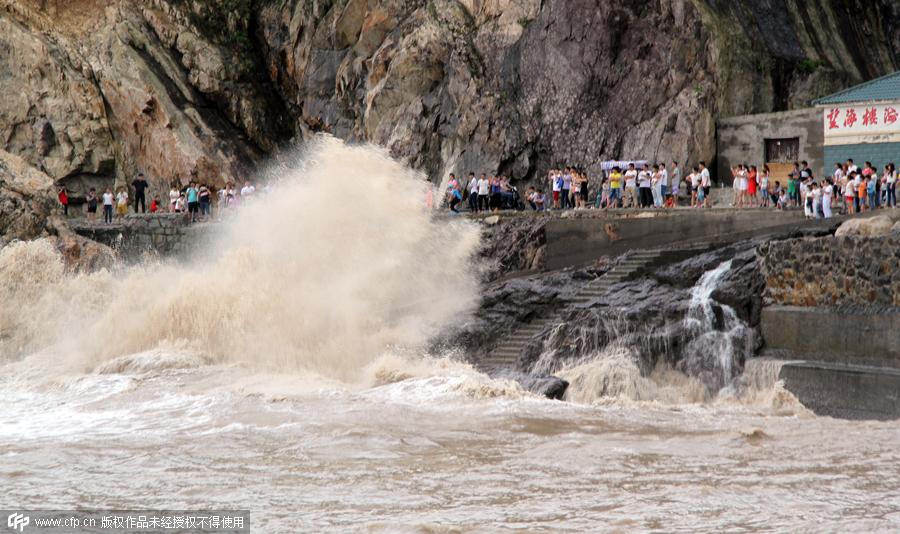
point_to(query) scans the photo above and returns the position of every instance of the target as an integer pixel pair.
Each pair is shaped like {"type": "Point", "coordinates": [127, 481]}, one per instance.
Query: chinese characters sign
{"type": "Point", "coordinates": [864, 123]}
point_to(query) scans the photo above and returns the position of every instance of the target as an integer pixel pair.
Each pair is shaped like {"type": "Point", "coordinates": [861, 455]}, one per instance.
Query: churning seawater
{"type": "Point", "coordinates": [282, 372]}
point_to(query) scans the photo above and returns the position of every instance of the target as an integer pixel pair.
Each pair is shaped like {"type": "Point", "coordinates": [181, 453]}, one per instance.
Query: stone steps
{"type": "Point", "coordinates": [508, 352]}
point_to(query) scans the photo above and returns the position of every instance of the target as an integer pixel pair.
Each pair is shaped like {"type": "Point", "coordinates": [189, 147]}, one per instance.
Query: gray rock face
{"type": "Point", "coordinates": [27, 199]}
{"type": "Point", "coordinates": [29, 210]}
{"type": "Point", "coordinates": [517, 85]}
{"type": "Point", "coordinates": [52, 113]}
{"type": "Point", "coordinates": [79, 253]}
{"type": "Point", "coordinates": [102, 90]}
{"type": "Point", "coordinates": [513, 244]}
{"type": "Point", "coordinates": [647, 315]}
{"type": "Point", "coordinates": [207, 88]}
{"type": "Point", "coordinates": [507, 304]}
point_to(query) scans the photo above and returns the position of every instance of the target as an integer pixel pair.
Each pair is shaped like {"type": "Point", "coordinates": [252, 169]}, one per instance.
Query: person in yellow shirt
{"type": "Point", "coordinates": [615, 187]}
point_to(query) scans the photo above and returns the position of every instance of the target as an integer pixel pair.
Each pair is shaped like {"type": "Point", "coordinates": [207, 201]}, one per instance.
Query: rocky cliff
{"type": "Point", "coordinates": [96, 90]}
{"type": "Point", "coordinates": [27, 199]}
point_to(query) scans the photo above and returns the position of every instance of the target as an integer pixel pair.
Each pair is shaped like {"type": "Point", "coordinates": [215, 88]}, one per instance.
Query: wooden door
{"type": "Point", "coordinates": [781, 155]}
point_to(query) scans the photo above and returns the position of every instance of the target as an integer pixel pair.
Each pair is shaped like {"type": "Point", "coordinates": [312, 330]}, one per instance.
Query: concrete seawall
{"type": "Point", "coordinates": [136, 235]}
{"type": "Point", "coordinates": [845, 391]}
{"type": "Point", "coordinates": [834, 335]}
{"type": "Point", "coordinates": [573, 238]}
{"type": "Point", "coordinates": [841, 363]}
{"type": "Point", "coordinates": [574, 241]}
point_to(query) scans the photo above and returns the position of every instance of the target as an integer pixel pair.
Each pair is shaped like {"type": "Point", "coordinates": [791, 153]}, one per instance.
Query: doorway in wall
{"type": "Point", "coordinates": [781, 155]}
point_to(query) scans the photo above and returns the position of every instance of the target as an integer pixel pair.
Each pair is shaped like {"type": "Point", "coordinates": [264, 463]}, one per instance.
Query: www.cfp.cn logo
{"type": "Point", "coordinates": [17, 521]}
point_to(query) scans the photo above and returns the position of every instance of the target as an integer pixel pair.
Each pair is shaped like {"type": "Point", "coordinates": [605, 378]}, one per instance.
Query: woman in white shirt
{"type": "Point", "coordinates": [739, 185]}
{"type": "Point", "coordinates": [838, 174]}
{"type": "Point", "coordinates": [816, 192]}
{"type": "Point", "coordinates": [655, 182]}
{"type": "Point", "coordinates": [735, 185]}
{"type": "Point", "coordinates": [742, 185]}
{"type": "Point", "coordinates": [645, 183]}
{"type": "Point", "coordinates": [108, 200]}
{"type": "Point", "coordinates": [694, 181]}
{"type": "Point", "coordinates": [891, 187]}
{"type": "Point", "coordinates": [849, 195]}
{"type": "Point", "coordinates": [806, 198]}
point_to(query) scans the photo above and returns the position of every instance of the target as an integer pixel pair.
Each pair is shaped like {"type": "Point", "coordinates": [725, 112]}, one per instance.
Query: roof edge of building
{"type": "Point", "coordinates": [831, 99]}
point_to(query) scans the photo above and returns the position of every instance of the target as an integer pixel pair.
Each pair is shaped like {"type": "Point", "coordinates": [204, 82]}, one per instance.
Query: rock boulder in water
{"type": "Point", "coordinates": [83, 255]}
{"type": "Point", "coordinates": [540, 384]}
{"type": "Point", "coordinates": [742, 287]}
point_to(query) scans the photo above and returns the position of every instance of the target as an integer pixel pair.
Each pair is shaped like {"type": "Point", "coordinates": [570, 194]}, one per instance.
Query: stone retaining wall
{"type": "Point", "coordinates": [136, 235]}
{"type": "Point", "coordinates": [832, 271]}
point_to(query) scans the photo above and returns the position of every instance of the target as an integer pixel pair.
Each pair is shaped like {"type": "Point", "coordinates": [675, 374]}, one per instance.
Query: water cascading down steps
{"type": "Point", "coordinates": [507, 352]}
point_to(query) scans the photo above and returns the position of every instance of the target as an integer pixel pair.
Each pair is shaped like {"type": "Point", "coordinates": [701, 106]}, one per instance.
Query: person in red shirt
{"type": "Point", "coordinates": [751, 186]}
{"type": "Point", "coordinates": [64, 200]}
{"type": "Point", "coordinates": [154, 205]}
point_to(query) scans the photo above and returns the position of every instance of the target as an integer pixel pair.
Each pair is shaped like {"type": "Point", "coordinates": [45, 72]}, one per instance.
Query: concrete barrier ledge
{"type": "Point", "coordinates": [836, 335]}
{"type": "Point", "coordinates": [844, 390]}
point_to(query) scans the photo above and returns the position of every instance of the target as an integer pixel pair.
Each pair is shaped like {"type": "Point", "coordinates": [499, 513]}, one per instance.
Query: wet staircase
{"type": "Point", "coordinates": [507, 353]}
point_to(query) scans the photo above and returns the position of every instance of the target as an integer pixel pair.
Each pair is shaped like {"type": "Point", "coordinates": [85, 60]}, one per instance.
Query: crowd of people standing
{"type": "Point", "coordinates": [849, 189]}
{"type": "Point", "coordinates": [653, 186]}
{"type": "Point", "coordinates": [658, 186]}
{"type": "Point", "coordinates": [195, 200]}
{"type": "Point", "coordinates": [484, 193]}
{"type": "Point", "coordinates": [572, 188]}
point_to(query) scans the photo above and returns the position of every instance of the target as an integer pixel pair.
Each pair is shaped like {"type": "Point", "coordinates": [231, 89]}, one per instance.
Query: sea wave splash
{"type": "Point", "coordinates": [341, 262]}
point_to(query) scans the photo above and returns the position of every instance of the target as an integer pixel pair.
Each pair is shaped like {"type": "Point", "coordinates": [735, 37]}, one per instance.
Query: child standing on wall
{"type": "Point", "coordinates": [872, 190]}
{"type": "Point", "coordinates": [861, 193]}
{"type": "Point", "coordinates": [847, 194]}
{"type": "Point", "coordinates": [602, 200]}
{"type": "Point", "coordinates": [122, 203]}
{"type": "Point", "coordinates": [173, 199]}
